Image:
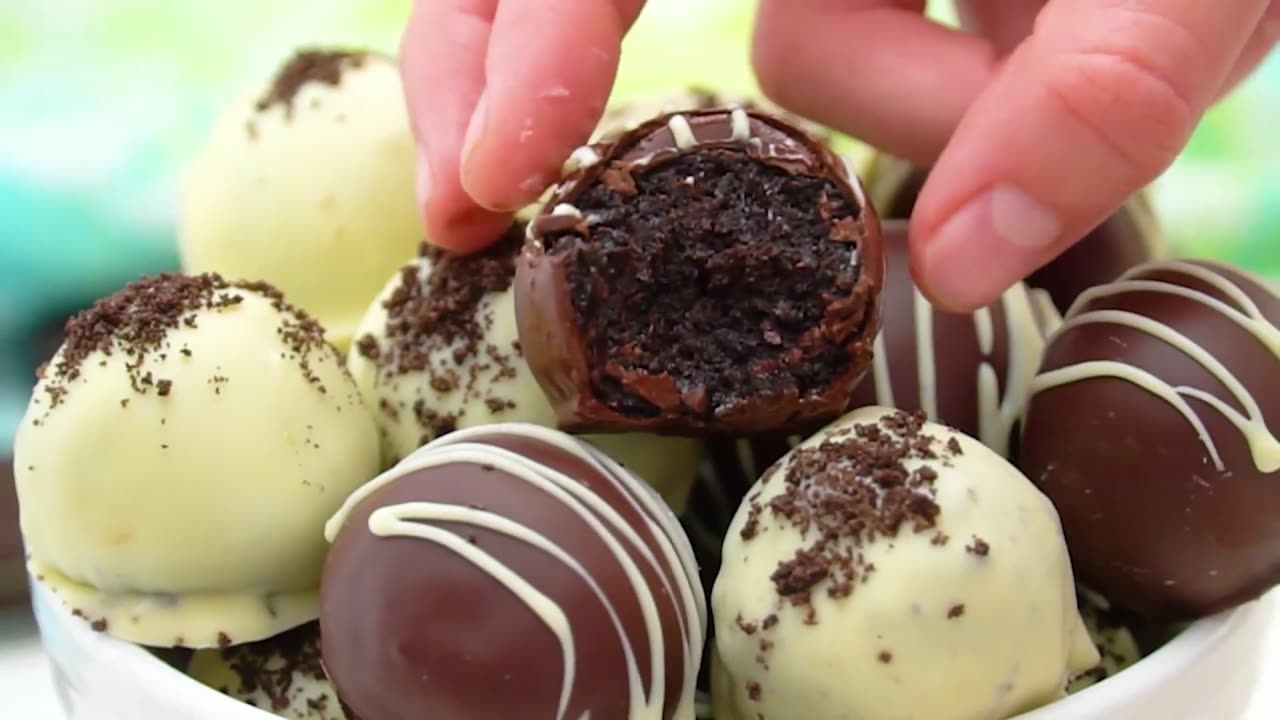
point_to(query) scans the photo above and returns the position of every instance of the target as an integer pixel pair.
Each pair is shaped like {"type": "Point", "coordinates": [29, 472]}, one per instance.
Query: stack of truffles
{"type": "Point", "coordinates": [687, 443]}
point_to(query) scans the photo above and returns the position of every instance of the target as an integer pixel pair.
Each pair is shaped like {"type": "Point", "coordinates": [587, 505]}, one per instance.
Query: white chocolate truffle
{"type": "Point", "coordinates": [891, 568]}
{"type": "Point", "coordinates": [281, 675]}
{"type": "Point", "coordinates": [179, 458]}
{"type": "Point", "coordinates": [438, 350]}
{"type": "Point", "coordinates": [309, 187]}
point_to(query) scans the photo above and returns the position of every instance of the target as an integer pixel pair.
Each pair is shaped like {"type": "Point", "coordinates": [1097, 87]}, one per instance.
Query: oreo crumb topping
{"type": "Point", "coordinates": [436, 325]}
{"type": "Point", "coordinates": [307, 66]}
{"type": "Point", "coordinates": [845, 492]}
{"type": "Point", "coordinates": [978, 547]}
{"type": "Point", "coordinates": [277, 668]}
{"type": "Point", "coordinates": [137, 322]}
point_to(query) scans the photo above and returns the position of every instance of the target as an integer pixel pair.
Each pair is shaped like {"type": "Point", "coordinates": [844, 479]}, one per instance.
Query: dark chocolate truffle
{"type": "Point", "coordinates": [511, 571]}
{"type": "Point", "coordinates": [716, 271]}
{"type": "Point", "coordinates": [1126, 239]}
{"type": "Point", "coordinates": [1152, 427]}
{"type": "Point", "coordinates": [971, 372]}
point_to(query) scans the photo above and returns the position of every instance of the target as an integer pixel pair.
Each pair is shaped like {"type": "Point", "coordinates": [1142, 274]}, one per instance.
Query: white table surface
{"type": "Point", "coordinates": [27, 691]}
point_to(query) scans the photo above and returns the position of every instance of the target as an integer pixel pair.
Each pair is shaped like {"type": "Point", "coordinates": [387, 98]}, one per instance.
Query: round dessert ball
{"type": "Point", "coordinates": [309, 185]}
{"type": "Point", "coordinates": [890, 567]}
{"type": "Point", "coordinates": [180, 456]}
{"type": "Point", "coordinates": [438, 350]}
{"type": "Point", "coordinates": [711, 271]}
{"type": "Point", "coordinates": [281, 675]}
{"type": "Point", "coordinates": [972, 372]}
{"type": "Point", "coordinates": [1129, 237]}
{"type": "Point", "coordinates": [1152, 426]}
{"type": "Point", "coordinates": [517, 555]}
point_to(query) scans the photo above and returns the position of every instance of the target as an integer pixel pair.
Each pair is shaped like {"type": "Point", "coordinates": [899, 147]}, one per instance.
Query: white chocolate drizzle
{"type": "Point", "coordinates": [740, 125]}
{"type": "Point", "coordinates": [682, 132]}
{"type": "Point", "coordinates": [998, 407]}
{"type": "Point", "coordinates": [670, 556]}
{"type": "Point", "coordinates": [583, 157]}
{"type": "Point", "coordinates": [565, 209]}
{"type": "Point", "coordinates": [1263, 444]}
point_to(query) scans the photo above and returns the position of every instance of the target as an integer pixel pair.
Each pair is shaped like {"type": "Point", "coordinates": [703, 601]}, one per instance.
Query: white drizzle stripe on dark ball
{"type": "Point", "coordinates": [1245, 313]}
{"type": "Point", "coordinates": [969, 371]}
{"type": "Point", "coordinates": [665, 552]}
{"type": "Point", "coordinates": [1152, 427]}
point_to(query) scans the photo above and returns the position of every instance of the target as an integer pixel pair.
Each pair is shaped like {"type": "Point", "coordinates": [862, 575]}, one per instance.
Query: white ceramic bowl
{"type": "Point", "coordinates": [1209, 672]}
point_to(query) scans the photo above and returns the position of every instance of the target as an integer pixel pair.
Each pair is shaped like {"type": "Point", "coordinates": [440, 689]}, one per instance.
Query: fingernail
{"type": "Point", "coordinates": [988, 245]}
{"type": "Point", "coordinates": [422, 182]}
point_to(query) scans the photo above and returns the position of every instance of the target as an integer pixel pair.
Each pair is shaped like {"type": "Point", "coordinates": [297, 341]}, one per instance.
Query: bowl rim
{"type": "Point", "coordinates": [130, 664]}
{"type": "Point", "coordinates": [1171, 659]}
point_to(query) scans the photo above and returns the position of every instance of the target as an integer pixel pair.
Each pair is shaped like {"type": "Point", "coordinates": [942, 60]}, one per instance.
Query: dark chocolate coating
{"type": "Point", "coordinates": [413, 630]}
{"type": "Point", "coordinates": [935, 367]}
{"type": "Point", "coordinates": [13, 574]}
{"type": "Point", "coordinates": [1123, 241]}
{"type": "Point", "coordinates": [1152, 520]}
{"type": "Point", "coordinates": [558, 347]}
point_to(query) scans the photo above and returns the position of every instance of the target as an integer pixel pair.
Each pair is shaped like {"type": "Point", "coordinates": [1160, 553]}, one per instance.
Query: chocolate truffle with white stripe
{"type": "Point", "coordinates": [969, 371]}
{"type": "Point", "coordinates": [511, 571]}
{"type": "Point", "coordinates": [1153, 427]}
{"type": "Point", "coordinates": [714, 271]}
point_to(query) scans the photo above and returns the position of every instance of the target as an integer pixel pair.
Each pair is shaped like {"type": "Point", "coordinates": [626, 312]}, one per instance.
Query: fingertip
{"type": "Point", "coordinates": [965, 260]}
{"type": "Point", "coordinates": [545, 95]}
{"type": "Point", "coordinates": [464, 231]}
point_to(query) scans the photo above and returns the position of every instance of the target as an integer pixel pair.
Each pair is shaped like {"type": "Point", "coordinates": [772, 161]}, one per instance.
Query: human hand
{"type": "Point", "coordinates": [499, 93]}
{"type": "Point", "coordinates": [1039, 123]}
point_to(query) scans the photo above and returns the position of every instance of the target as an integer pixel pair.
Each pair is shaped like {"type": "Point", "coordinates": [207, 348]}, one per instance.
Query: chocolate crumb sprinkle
{"type": "Point", "coordinates": [978, 547]}
{"type": "Point", "coordinates": [845, 492]}
{"type": "Point", "coordinates": [956, 611]}
{"type": "Point", "coordinates": [885, 657]}
{"type": "Point", "coordinates": [436, 325]}
{"type": "Point", "coordinates": [305, 67]}
{"type": "Point", "coordinates": [136, 323]}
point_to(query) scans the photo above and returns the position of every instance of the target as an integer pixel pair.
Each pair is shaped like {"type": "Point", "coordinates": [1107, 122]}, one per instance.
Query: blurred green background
{"type": "Point", "coordinates": [103, 102]}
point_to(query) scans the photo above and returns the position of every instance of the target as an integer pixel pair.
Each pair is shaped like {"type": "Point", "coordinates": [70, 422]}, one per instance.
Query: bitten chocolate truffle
{"type": "Point", "coordinates": [511, 571]}
{"type": "Point", "coordinates": [1128, 238]}
{"type": "Point", "coordinates": [1152, 427]}
{"type": "Point", "coordinates": [968, 371]}
{"type": "Point", "coordinates": [710, 271]}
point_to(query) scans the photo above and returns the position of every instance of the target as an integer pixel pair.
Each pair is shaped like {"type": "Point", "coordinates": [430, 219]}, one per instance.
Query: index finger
{"type": "Point", "coordinates": [550, 67]}
{"type": "Point", "coordinates": [442, 56]}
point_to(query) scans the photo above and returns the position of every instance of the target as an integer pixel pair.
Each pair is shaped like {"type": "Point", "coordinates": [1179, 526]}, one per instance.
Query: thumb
{"type": "Point", "coordinates": [1094, 105]}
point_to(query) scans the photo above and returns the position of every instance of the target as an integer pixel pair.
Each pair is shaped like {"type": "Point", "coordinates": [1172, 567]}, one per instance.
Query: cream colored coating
{"type": "Point", "coordinates": [309, 696]}
{"type": "Point", "coordinates": [668, 463]}
{"type": "Point", "coordinates": [1018, 641]}
{"type": "Point", "coordinates": [176, 519]}
{"type": "Point", "coordinates": [319, 201]}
